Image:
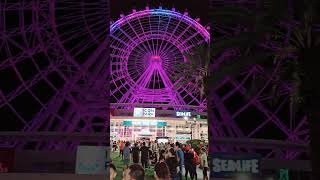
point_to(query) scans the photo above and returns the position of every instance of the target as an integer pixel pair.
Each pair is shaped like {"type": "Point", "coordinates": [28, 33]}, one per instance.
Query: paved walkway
{"type": "Point", "coordinates": [199, 173]}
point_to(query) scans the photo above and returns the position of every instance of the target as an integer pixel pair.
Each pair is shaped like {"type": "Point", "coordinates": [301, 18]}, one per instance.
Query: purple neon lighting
{"type": "Point", "coordinates": [145, 47]}
{"type": "Point", "coordinates": [63, 40]}
{"type": "Point", "coordinates": [54, 56]}
{"type": "Point", "coordinates": [161, 12]}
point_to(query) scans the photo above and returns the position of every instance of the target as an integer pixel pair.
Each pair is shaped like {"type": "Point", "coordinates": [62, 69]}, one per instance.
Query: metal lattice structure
{"type": "Point", "coordinates": [140, 67]}
{"type": "Point", "coordinates": [238, 112]}
{"type": "Point", "coordinates": [64, 47]}
{"type": "Point", "coordinates": [145, 47]}
{"type": "Point", "coordinates": [53, 68]}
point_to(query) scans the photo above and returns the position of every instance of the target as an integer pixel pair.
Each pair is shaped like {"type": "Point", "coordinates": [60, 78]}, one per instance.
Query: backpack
{"type": "Point", "coordinates": [195, 160]}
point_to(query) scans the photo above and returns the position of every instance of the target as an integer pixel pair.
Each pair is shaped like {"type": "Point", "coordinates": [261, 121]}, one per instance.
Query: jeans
{"type": "Point", "coordinates": [144, 163]}
{"type": "Point", "coordinates": [180, 171]}
{"type": "Point", "coordinates": [189, 169]}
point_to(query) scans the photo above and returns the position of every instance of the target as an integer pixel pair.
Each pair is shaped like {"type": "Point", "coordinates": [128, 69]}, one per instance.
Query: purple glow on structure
{"type": "Point", "coordinates": [55, 53]}
{"type": "Point", "coordinates": [144, 55]}
{"type": "Point", "coordinates": [155, 58]}
{"type": "Point", "coordinates": [145, 46]}
{"type": "Point", "coordinates": [66, 50]}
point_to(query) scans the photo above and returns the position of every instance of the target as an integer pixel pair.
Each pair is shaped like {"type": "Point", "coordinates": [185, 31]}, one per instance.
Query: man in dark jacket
{"type": "Point", "coordinates": [135, 154]}
{"type": "Point", "coordinates": [188, 163]}
{"type": "Point", "coordinates": [144, 155]}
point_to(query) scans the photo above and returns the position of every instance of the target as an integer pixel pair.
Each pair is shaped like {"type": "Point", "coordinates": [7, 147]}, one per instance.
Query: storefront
{"type": "Point", "coordinates": [177, 129]}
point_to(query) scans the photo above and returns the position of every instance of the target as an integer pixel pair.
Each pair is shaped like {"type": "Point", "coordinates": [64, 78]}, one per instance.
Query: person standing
{"type": "Point", "coordinates": [126, 154]}
{"type": "Point", "coordinates": [144, 155]}
{"type": "Point", "coordinates": [204, 164]}
{"type": "Point", "coordinates": [154, 146]}
{"type": "Point", "coordinates": [135, 154]}
{"type": "Point", "coordinates": [173, 164]}
{"type": "Point", "coordinates": [195, 163]}
{"type": "Point", "coordinates": [180, 157]}
{"type": "Point", "coordinates": [188, 163]}
{"type": "Point", "coordinates": [114, 146]}
{"type": "Point", "coordinates": [162, 156]}
{"type": "Point", "coordinates": [121, 149]}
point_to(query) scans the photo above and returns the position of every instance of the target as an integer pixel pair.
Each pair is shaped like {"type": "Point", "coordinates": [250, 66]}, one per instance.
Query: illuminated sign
{"type": "Point", "coordinates": [229, 165]}
{"type": "Point", "coordinates": [144, 123]}
{"type": "Point", "coordinates": [144, 112]}
{"type": "Point", "coordinates": [183, 137]}
{"type": "Point", "coordinates": [183, 114]}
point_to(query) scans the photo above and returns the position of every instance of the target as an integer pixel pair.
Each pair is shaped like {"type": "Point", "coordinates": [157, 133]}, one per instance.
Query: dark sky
{"type": "Point", "coordinates": [196, 8]}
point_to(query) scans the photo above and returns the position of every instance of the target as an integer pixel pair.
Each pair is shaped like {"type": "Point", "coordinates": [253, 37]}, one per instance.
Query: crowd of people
{"type": "Point", "coordinates": [168, 160]}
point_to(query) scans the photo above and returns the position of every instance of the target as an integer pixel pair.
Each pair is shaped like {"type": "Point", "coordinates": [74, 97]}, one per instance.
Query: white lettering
{"type": "Point", "coordinates": [216, 165]}
{"type": "Point", "coordinates": [224, 165]}
{"type": "Point", "coordinates": [251, 166]}
{"type": "Point", "coordinates": [185, 114]}
{"type": "Point", "coordinates": [255, 166]}
{"type": "Point", "coordinates": [248, 163]}
{"type": "Point", "coordinates": [235, 165]}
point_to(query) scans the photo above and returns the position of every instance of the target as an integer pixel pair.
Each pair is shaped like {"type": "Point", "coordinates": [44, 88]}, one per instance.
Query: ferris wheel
{"type": "Point", "coordinates": [145, 46]}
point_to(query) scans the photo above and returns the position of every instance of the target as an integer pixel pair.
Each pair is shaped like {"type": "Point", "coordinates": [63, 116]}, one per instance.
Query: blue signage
{"type": "Point", "coordinates": [144, 123]}
{"type": "Point", "coordinates": [227, 165]}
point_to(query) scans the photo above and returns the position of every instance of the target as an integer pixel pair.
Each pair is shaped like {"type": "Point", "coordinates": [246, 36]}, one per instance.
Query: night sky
{"type": "Point", "coordinates": [195, 8]}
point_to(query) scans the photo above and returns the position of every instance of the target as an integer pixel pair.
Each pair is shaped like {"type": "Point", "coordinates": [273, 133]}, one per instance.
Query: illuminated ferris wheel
{"type": "Point", "coordinates": [145, 47]}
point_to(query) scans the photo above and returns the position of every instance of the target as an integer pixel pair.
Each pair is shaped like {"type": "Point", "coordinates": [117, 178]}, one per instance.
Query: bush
{"type": "Point", "coordinates": [195, 144]}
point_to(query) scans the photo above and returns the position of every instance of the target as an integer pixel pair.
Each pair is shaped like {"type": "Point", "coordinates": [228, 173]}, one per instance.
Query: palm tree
{"type": "Point", "coordinates": [259, 29]}
{"type": "Point", "coordinates": [195, 69]}
{"type": "Point", "coordinates": [304, 46]}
